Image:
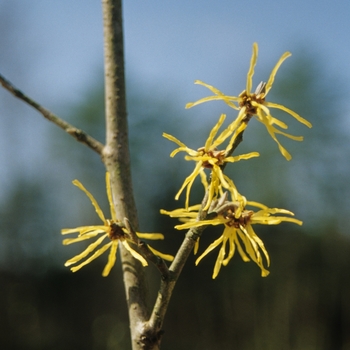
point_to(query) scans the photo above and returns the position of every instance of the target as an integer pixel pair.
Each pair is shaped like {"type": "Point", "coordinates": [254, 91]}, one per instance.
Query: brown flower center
{"type": "Point", "coordinates": [246, 100]}
{"type": "Point", "coordinates": [115, 231]}
{"type": "Point", "coordinates": [243, 220]}
{"type": "Point", "coordinates": [215, 153]}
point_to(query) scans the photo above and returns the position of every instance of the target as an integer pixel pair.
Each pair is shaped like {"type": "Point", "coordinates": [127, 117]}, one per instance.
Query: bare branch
{"type": "Point", "coordinates": [117, 161]}
{"type": "Point", "coordinates": [78, 134]}
{"type": "Point", "coordinates": [153, 328]}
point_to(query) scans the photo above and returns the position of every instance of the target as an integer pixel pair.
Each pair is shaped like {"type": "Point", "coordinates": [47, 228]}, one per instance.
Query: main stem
{"type": "Point", "coordinates": [117, 161]}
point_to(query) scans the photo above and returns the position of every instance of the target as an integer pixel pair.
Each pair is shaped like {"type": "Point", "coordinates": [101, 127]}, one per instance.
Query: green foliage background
{"type": "Point", "coordinates": [304, 302]}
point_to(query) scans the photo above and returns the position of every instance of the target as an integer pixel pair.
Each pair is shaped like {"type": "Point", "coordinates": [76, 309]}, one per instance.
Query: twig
{"type": "Point", "coordinates": [146, 252]}
{"type": "Point", "coordinates": [78, 134]}
{"type": "Point", "coordinates": [153, 328]}
{"type": "Point", "coordinates": [238, 140]}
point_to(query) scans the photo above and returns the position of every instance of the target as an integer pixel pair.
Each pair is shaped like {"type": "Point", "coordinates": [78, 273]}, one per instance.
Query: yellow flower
{"type": "Point", "coordinates": [111, 229]}
{"type": "Point", "coordinates": [238, 232]}
{"type": "Point", "coordinates": [211, 158]}
{"type": "Point", "coordinates": [254, 104]}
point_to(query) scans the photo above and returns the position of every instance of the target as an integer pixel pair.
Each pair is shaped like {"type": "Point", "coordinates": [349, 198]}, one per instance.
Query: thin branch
{"type": "Point", "coordinates": [78, 134]}
{"type": "Point", "coordinates": [146, 252]}
{"type": "Point", "coordinates": [237, 141]}
{"type": "Point", "coordinates": [153, 329]}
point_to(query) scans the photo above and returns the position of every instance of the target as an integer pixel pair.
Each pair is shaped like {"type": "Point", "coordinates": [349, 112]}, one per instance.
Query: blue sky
{"type": "Point", "coordinates": [172, 43]}
{"type": "Point", "coordinates": [55, 51]}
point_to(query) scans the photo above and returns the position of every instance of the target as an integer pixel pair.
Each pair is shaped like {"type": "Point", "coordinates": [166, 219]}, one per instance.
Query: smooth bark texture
{"type": "Point", "coordinates": [117, 160]}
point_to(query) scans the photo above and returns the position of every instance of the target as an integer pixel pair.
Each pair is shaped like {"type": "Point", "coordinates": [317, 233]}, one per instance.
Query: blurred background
{"type": "Point", "coordinates": [53, 51]}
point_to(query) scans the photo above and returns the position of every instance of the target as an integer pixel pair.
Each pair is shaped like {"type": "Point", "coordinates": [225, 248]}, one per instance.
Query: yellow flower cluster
{"type": "Point", "coordinates": [238, 232]}
{"type": "Point", "coordinates": [216, 209]}
{"type": "Point", "coordinates": [236, 219]}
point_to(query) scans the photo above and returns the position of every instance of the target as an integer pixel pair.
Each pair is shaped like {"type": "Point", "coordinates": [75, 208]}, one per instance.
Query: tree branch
{"type": "Point", "coordinates": [153, 329]}
{"type": "Point", "coordinates": [78, 134]}
{"type": "Point", "coordinates": [117, 160]}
